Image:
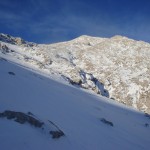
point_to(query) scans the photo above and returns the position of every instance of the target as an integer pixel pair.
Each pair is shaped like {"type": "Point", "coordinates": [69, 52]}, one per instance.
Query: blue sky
{"type": "Point", "coordinates": [48, 21]}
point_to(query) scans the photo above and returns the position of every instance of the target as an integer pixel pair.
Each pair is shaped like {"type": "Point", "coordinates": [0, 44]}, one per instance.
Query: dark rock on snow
{"type": "Point", "coordinates": [107, 122]}
{"type": "Point", "coordinates": [21, 118]}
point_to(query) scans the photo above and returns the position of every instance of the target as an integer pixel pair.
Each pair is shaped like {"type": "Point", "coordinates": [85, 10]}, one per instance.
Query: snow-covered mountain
{"type": "Point", "coordinates": [37, 112]}
{"type": "Point", "coordinates": [115, 67]}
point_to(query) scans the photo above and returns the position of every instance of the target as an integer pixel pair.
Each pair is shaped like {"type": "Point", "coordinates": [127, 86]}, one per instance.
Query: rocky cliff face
{"type": "Point", "coordinates": [14, 40]}
{"type": "Point", "coordinates": [116, 67]}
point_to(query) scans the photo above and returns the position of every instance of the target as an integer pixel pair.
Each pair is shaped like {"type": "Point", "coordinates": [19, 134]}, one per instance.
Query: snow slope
{"type": "Point", "coordinates": [116, 67]}
{"type": "Point", "coordinates": [76, 112]}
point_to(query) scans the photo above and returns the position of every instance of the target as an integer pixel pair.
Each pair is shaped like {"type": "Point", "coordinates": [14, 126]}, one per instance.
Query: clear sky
{"type": "Point", "coordinates": [48, 21]}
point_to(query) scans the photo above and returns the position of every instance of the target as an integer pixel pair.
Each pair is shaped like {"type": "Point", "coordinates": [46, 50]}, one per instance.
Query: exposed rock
{"type": "Point", "coordinates": [4, 49]}
{"type": "Point", "coordinates": [21, 118]}
{"type": "Point", "coordinates": [15, 40]}
{"type": "Point", "coordinates": [146, 125]}
{"type": "Point", "coordinates": [29, 118]}
{"type": "Point", "coordinates": [19, 41]}
{"type": "Point", "coordinates": [90, 82]}
{"type": "Point", "coordinates": [56, 134]}
{"type": "Point", "coordinates": [11, 73]}
{"type": "Point", "coordinates": [107, 122]}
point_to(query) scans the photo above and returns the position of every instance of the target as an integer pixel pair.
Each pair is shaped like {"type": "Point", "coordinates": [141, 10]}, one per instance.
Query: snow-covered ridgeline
{"type": "Point", "coordinates": [119, 65]}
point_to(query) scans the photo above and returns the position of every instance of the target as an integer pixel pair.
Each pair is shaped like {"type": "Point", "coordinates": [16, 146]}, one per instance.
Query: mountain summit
{"type": "Point", "coordinates": [116, 67]}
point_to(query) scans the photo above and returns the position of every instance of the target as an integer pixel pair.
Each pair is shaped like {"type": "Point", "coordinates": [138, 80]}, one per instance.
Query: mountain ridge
{"type": "Point", "coordinates": [48, 98]}
{"type": "Point", "coordinates": [118, 66]}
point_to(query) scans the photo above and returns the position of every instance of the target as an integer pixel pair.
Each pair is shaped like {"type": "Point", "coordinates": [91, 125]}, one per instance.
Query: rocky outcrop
{"type": "Point", "coordinates": [29, 118]}
{"type": "Point", "coordinates": [21, 118]}
{"type": "Point", "coordinates": [88, 81]}
{"type": "Point", "coordinates": [4, 49]}
{"type": "Point", "coordinates": [56, 134]}
{"type": "Point", "coordinates": [11, 73]}
{"type": "Point", "coordinates": [15, 40]}
{"type": "Point", "coordinates": [107, 122]}
{"type": "Point", "coordinates": [12, 40]}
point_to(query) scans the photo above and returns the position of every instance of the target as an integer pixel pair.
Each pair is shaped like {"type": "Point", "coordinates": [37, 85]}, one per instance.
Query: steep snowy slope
{"type": "Point", "coordinates": [115, 67]}
{"type": "Point", "coordinates": [88, 121]}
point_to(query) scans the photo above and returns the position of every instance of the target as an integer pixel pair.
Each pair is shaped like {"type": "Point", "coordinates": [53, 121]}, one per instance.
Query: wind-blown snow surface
{"type": "Point", "coordinates": [77, 113]}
